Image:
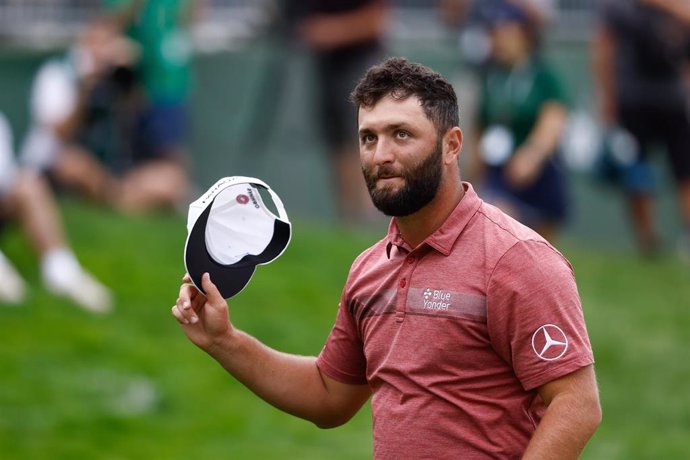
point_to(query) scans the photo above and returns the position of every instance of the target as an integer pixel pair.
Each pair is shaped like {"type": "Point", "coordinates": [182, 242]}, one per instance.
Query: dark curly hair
{"type": "Point", "coordinates": [401, 79]}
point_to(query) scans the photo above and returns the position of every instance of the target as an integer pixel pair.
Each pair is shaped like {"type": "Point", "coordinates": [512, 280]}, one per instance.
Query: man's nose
{"type": "Point", "coordinates": [384, 151]}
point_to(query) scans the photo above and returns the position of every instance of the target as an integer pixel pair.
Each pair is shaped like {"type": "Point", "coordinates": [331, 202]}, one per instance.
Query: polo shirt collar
{"type": "Point", "coordinates": [445, 236]}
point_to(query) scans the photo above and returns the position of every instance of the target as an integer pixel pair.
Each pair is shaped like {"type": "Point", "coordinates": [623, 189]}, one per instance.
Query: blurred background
{"type": "Point", "coordinates": [128, 384]}
{"type": "Point", "coordinates": [252, 110]}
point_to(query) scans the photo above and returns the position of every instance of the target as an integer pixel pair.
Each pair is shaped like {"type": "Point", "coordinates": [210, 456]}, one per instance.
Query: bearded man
{"type": "Point", "coordinates": [464, 326]}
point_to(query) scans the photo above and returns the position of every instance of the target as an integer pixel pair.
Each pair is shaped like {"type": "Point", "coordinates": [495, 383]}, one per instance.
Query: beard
{"type": "Point", "coordinates": [422, 182]}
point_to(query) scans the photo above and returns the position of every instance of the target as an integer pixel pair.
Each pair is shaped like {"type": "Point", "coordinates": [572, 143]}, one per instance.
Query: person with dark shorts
{"type": "Point", "coordinates": [345, 37]}
{"type": "Point", "coordinates": [641, 51]}
{"type": "Point", "coordinates": [162, 30]}
{"type": "Point", "coordinates": [338, 71]}
{"type": "Point", "coordinates": [522, 114]}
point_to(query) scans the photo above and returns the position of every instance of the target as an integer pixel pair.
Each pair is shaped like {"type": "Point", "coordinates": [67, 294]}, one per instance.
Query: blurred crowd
{"type": "Point", "coordinates": [524, 119]}
{"type": "Point", "coordinates": [108, 122]}
{"type": "Point", "coordinates": [110, 115]}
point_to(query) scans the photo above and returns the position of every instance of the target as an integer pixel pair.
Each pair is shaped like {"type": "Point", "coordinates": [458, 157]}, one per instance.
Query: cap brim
{"type": "Point", "coordinates": [229, 279]}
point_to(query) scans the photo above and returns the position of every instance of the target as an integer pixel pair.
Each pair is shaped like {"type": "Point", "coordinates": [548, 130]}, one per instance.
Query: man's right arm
{"type": "Point", "coordinates": [292, 383]}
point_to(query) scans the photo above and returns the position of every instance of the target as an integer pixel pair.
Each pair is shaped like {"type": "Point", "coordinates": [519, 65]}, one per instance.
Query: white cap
{"type": "Point", "coordinates": [231, 231]}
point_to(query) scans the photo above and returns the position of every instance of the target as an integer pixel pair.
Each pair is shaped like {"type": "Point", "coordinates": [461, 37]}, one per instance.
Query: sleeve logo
{"type": "Point", "coordinates": [549, 342]}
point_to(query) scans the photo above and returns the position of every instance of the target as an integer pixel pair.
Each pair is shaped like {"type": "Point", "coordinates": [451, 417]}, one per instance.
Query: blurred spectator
{"type": "Point", "coordinates": [469, 16]}
{"type": "Point", "coordinates": [522, 115]}
{"type": "Point", "coordinates": [71, 136]}
{"type": "Point", "coordinates": [345, 37]}
{"type": "Point", "coordinates": [641, 52]}
{"type": "Point", "coordinates": [457, 12]}
{"type": "Point", "coordinates": [26, 197]}
{"type": "Point", "coordinates": [94, 131]}
{"type": "Point", "coordinates": [161, 28]}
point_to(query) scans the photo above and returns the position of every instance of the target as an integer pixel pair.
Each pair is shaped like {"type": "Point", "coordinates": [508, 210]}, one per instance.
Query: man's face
{"type": "Point", "coordinates": [401, 155]}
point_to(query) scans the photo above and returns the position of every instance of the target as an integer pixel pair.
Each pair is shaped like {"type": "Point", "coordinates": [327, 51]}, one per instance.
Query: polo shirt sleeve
{"type": "Point", "coordinates": [534, 316]}
{"type": "Point", "coordinates": [342, 357]}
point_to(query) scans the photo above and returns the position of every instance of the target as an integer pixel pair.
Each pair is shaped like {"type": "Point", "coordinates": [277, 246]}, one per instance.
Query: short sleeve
{"type": "Point", "coordinates": [534, 314]}
{"type": "Point", "coordinates": [342, 357]}
{"type": "Point", "coordinates": [53, 94]}
{"type": "Point", "coordinates": [552, 86]}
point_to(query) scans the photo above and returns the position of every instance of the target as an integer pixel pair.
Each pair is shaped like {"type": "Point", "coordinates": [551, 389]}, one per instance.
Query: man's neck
{"type": "Point", "coordinates": [417, 227]}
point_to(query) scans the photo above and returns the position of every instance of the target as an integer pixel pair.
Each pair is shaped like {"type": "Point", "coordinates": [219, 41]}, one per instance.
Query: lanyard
{"type": "Point", "coordinates": [508, 92]}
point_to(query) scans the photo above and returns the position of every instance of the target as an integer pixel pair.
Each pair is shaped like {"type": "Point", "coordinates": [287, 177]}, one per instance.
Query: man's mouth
{"type": "Point", "coordinates": [387, 173]}
{"type": "Point", "coordinates": [388, 181]}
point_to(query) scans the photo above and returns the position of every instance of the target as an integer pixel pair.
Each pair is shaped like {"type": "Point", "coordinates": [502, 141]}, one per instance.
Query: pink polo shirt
{"type": "Point", "coordinates": [456, 336]}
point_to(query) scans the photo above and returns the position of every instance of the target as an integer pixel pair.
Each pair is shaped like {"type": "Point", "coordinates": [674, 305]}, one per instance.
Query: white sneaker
{"type": "Point", "coordinates": [12, 286]}
{"type": "Point", "coordinates": [85, 291]}
{"type": "Point", "coordinates": [63, 275]}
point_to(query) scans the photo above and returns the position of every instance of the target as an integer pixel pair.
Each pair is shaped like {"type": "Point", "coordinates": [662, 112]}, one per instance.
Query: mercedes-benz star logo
{"type": "Point", "coordinates": [549, 342]}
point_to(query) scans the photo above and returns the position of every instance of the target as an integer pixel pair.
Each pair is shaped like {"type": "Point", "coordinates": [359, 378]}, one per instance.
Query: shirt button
{"type": "Point", "coordinates": [410, 260]}
{"type": "Point", "coordinates": [403, 283]}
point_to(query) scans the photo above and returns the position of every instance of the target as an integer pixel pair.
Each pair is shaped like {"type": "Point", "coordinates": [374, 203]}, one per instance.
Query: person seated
{"type": "Point", "coordinates": [522, 114]}
{"type": "Point", "coordinates": [26, 198]}
{"type": "Point", "coordinates": [90, 130]}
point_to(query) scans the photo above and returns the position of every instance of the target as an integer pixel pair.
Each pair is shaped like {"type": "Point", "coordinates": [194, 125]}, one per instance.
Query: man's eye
{"type": "Point", "coordinates": [403, 134]}
{"type": "Point", "coordinates": [368, 138]}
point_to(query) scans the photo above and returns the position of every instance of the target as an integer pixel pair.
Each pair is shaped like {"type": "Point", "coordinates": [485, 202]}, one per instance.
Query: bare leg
{"type": "Point", "coordinates": [684, 202]}
{"type": "Point", "coordinates": [79, 170]}
{"type": "Point", "coordinates": [641, 214]}
{"type": "Point", "coordinates": [154, 185]}
{"type": "Point", "coordinates": [12, 285]}
{"type": "Point", "coordinates": [37, 211]}
{"type": "Point", "coordinates": [548, 231]}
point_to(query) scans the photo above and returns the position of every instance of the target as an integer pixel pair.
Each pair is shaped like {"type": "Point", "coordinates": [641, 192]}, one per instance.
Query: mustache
{"type": "Point", "coordinates": [383, 171]}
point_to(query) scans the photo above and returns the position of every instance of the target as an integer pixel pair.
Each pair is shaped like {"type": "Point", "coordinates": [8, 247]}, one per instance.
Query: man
{"type": "Point", "coordinates": [26, 197]}
{"type": "Point", "coordinates": [463, 325]}
{"type": "Point", "coordinates": [641, 50]}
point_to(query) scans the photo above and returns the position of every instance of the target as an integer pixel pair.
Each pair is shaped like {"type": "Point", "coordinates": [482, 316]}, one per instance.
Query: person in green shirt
{"type": "Point", "coordinates": [521, 116]}
{"type": "Point", "coordinates": [161, 29]}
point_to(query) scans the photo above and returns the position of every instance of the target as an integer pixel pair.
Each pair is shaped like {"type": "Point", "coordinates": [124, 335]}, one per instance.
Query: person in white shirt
{"type": "Point", "coordinates": [26, 197]}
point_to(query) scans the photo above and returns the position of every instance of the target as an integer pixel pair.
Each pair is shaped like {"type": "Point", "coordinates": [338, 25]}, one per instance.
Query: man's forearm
{"type": "Point", "coordinates": [564, 430]}
{"type": "Point", "coordinates": [290, 383]}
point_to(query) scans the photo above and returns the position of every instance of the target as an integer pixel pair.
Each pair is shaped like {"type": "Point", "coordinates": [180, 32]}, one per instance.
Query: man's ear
{"type": "Point", "coordinates": [452, 144]}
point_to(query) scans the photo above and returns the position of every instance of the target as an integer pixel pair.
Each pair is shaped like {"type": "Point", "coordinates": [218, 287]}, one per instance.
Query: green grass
{"type": "Point", "coordinates": [129, 385]}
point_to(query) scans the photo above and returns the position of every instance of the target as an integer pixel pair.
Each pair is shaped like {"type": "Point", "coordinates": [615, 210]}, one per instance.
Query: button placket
{"type": "Point", "coordinates": [403, 287]}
